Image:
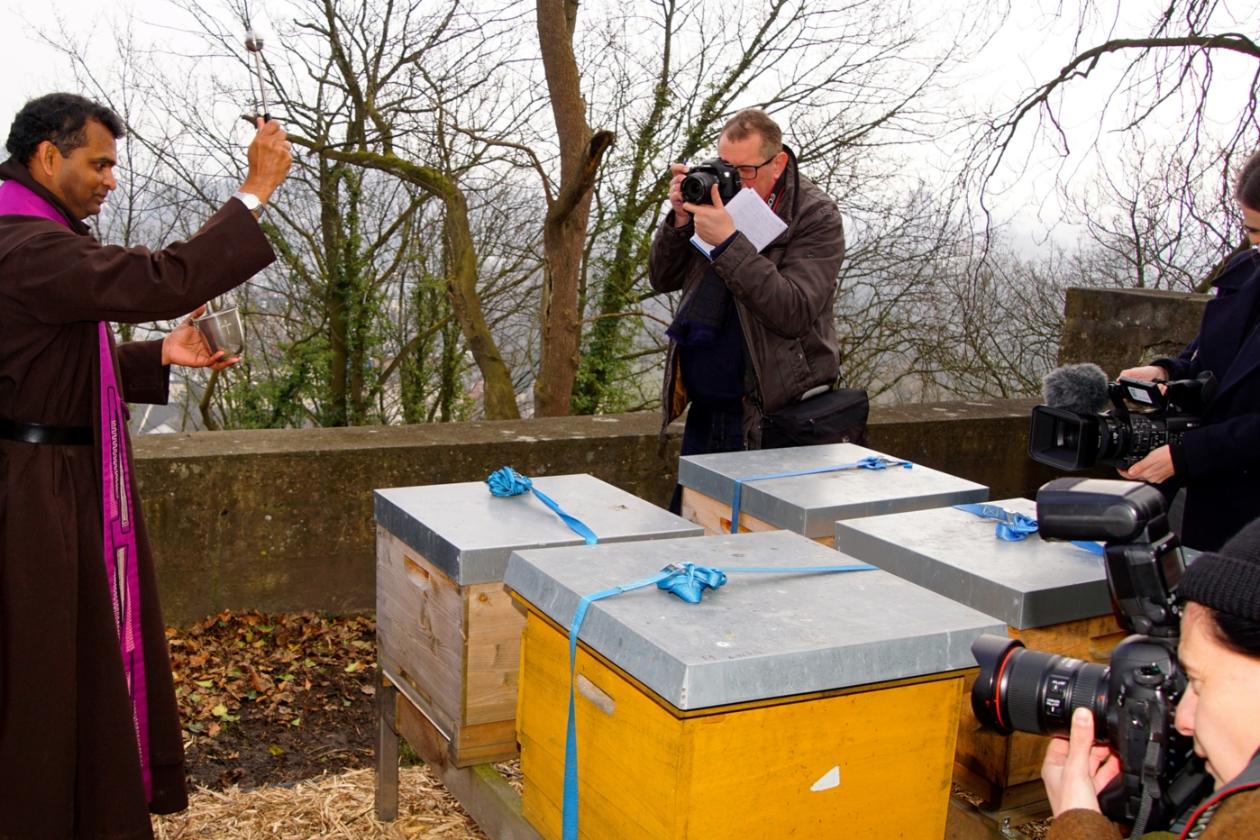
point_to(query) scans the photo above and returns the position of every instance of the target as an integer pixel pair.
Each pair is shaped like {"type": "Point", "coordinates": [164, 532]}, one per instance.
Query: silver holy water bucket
{"type": "Point", "coordinates": [223, 330]}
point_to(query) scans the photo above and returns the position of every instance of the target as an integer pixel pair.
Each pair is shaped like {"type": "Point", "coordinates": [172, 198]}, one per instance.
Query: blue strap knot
{"type": "Point", "coordinates": [688, 581]}
{"type": "Point", "coordinates": [870, 462]}
{"type": "Point", "coordinates": [505, 482]}
{"type": "Point", "coordinates": [1015, 527]}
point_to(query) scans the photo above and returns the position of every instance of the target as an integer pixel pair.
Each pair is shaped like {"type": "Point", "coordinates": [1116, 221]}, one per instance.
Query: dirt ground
{"type": "Point", "coordinates": [269, 700]}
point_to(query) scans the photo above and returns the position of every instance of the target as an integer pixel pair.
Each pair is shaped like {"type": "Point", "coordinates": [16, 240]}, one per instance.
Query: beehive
{"type": "Point", "coordinates": [809, 504]}
{"type": "Point", "coordinates": [1051, 595]}
{"type": "Point", "coordinates": [448, 635]}
{"type": "Point", "coordinates": [782, 705]}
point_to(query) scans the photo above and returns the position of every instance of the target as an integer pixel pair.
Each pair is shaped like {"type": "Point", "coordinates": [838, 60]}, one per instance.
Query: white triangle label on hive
{"type": "Point", "coordinates": [829, 780]}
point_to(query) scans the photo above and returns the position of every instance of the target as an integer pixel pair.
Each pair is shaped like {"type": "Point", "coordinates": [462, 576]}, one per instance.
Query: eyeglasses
{"type": "Point", "coordinates": [748, 171]}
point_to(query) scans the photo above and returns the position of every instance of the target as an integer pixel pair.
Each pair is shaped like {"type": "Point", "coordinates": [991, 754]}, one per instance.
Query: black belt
{"type": "Point", "coordinates": [40, 433]}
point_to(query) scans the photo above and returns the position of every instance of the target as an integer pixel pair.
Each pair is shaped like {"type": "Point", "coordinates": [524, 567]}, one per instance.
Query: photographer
{"type": "Point", "coordinates": [1219, 651]}
{"type": "Point", "coordinates": [1218, 463]}
{"type": "Point", "coordinates": [754, 331]}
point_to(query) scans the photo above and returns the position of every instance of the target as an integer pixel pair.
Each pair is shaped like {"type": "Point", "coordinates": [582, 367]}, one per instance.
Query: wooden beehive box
{"type": "Point", "coordinates": [448, 635]}
{"type": "Point", "coordinates": [1052, 596]}
{"type": "Point", "coordinates": [809, 504]}
{"type": "Point", "coordinates": [782, 705]}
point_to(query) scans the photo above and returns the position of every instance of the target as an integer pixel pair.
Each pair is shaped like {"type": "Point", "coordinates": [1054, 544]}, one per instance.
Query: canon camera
{"type": "Point", "coordinates": [1134, 697]}
{"type": "Point", "coordinates": [698, 184]}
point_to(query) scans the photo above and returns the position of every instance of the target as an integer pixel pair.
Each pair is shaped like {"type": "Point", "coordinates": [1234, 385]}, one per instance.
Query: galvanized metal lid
{"type": "Point", "coordinates": [469, 534]}
{"type": "Point", "coordinates": [760, 636]}
{"type": "Point", "coordinates": [1032, 583]}
{"type": "Point", "coordinates": [811, 504]}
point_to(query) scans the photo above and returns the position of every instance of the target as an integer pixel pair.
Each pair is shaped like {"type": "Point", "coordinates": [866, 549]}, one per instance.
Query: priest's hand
{"type": "Point", "coordinates": [270, 155]}
{"type": "Point", "coordinates": [186, 346]}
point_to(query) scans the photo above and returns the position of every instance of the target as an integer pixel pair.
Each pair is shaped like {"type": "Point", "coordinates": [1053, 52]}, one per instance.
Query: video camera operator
{"type": "Point", "coordinates": [754, 330]}
{"type": "Point", "coordinates": [1219, 463]}
{"type": "Point", "coordinates": [1219, 651]}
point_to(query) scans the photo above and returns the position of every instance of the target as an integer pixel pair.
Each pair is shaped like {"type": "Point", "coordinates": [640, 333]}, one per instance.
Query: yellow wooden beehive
{"type": "Point", "coordinates": [751, 714]}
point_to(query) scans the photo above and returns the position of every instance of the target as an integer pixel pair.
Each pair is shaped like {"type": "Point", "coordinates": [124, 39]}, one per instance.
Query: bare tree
{"type": "Point", "coordinates": [1144, 229]}
{"type": "Point", "coordinates": [1165, 76]}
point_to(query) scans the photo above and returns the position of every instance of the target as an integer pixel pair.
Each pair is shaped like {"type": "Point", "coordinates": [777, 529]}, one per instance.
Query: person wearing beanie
{"type": "Point", "coordinates": [1219, 651]}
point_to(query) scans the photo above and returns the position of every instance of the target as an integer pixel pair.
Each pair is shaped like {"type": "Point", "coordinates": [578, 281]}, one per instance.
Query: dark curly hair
{"type": "Point", "coordinates": [59, 118]}
{"type": "Point", "coordinates": [1247, 188]}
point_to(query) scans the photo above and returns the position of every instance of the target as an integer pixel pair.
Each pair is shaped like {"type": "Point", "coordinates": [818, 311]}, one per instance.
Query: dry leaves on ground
{"type": "Point", "coordinates": [268, 699]}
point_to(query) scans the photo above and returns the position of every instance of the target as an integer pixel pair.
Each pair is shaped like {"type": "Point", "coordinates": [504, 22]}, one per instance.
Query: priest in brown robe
{"type": "Point", "coordinates": [90, 739]}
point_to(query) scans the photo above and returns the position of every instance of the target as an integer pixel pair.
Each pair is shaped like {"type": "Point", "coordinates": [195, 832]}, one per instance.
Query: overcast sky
{"type": "Point", "coordinates": [1030, 47]}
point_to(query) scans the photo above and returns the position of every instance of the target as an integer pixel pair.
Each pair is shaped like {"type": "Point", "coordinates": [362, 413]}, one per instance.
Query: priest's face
{"type": "Point", "coordinates": [83, 178]}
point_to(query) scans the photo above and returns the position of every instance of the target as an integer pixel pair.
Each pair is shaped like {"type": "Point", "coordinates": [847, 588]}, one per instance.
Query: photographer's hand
{"type": "Point", "coordinates": [1156, 468]}
{"type": "Point", "coordinates": [1076, 769]}
{"type": "Point", "coordinates": [681, 217]}
{"type": "Point", "coordinates": [1148, 373]}
{"type": "Point", "coordinates": [713, 224]}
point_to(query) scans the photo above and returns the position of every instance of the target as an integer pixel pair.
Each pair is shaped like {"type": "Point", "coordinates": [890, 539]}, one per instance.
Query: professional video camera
{"type": "Point", "coordinates": [1134, 698]}
{"type": "Point", "coordinates": [700, 179]}
{"type": "Point", "coordinates": [1073, 431]}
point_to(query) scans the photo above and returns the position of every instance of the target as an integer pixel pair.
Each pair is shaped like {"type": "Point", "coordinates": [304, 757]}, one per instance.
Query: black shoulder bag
{"type": "Point", "coordinates": [835, 416]}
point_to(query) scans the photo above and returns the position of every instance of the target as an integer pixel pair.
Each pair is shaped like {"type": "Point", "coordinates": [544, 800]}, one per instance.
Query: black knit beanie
{"type": "Point", "coordinates": [1228, 580]}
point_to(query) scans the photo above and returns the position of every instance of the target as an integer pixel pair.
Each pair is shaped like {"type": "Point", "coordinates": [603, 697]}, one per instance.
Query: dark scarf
{"type": "Point", "coordinates": [701, 318]}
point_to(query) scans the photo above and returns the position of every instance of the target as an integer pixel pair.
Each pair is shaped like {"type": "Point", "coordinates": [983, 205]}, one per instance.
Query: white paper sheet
{"type": "Point", "coordinates": [753, 218]}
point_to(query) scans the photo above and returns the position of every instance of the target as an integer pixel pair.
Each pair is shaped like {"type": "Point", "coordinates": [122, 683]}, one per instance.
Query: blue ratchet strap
{"type": "Point", "coordinates": [870, 462]}
{"type": "Point", "coordinates": [686, 580]}
{"type": "Point", "coordinates": [1014, 527]}
{"type": "Point", "coordinates": [507, 482]}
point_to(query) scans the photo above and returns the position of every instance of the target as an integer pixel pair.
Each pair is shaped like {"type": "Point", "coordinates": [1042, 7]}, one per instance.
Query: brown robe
{"type": "Point", "coordinates": [69, 762]}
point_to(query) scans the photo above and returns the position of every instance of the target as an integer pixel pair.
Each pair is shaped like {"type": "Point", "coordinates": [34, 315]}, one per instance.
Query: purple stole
{"type": "Point", "coordinates": [119, 535]}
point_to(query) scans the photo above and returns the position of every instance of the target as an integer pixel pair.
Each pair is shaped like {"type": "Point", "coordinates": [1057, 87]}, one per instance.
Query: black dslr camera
{"type": "Point", "coordinates": [700, 179]}
{"type": "Point", "coordinates": [1068, 439]}
{"type": "Point", "coordinates": [1134, 698]}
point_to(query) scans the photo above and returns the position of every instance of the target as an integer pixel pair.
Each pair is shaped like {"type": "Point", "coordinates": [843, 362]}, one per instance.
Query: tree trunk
{"type": "Point", "coordinates": [564, 230]}
{"type": "Point", "coordinates": [335, 411]}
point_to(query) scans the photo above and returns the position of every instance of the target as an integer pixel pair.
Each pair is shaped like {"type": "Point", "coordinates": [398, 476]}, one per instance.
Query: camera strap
{"type": "Point", "coordinates": [1017, 527]}
{"type": "Point", "coordinates": [686, 580]}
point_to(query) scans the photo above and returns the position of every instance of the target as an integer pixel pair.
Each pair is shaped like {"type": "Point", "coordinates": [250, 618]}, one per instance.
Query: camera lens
{"type": "Point", "coordinates": [696, 186]}
{"type": "Point", "coordinates": [1030, 691]}
{"type": "Point", "coordinates": [1063, 439]}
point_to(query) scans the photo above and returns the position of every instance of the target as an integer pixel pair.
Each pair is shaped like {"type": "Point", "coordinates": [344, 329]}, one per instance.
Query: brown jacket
{"type": "Point", "coordinates": [68, 759]}
{"type": "Point", "coordinates": [783, 297]}
{"type": "Point", "coordinates": [1236, 815]}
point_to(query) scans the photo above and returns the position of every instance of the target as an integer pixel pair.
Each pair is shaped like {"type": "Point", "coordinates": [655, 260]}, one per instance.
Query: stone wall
{"type": "Point", "coordinates": [1121, 328]}
{"type": "Point", "coordinates": [282, 519]}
